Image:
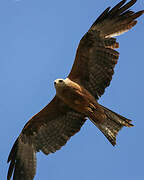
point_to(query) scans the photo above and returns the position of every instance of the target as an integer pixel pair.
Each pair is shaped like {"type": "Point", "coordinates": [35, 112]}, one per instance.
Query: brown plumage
{"type": "Point", "coordinates": [76, 96]}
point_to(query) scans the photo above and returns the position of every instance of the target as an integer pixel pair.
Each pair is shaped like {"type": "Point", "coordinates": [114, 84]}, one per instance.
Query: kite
{"type": "Point", "coordinates": [77, 95]}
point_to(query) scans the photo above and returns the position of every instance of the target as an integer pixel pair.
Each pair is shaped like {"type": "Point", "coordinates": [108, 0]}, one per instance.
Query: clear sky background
{"type": "Point", "coordinates": [38, 41]}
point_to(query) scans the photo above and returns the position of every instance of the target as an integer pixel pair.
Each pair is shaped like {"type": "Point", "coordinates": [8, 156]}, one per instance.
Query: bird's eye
{"type": "Point", "coordinates": [60, 80]}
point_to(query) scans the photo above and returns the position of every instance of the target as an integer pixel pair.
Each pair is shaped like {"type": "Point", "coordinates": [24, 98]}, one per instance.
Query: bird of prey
{"type": "Point", "coordinates": [77, 95]}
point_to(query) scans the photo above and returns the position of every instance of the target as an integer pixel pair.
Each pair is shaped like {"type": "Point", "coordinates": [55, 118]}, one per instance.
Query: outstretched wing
{"type": "Point", "coordinates": [47, 131]}
{"type": "Point", "coordinates": [96, 58]}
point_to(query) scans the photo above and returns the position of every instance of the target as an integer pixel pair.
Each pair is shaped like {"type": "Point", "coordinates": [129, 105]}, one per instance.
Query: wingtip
{"type": "Point", "coordinates": [114, 144]}
{"type": "Point", "coordinates": [132, 2]}
{"type": "Point", "coordinates": [131, 125]}
{"type": "Point", "coordinates": [141, 12]}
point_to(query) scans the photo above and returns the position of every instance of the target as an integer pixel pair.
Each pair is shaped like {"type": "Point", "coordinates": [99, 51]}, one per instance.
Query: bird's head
{"type": "Point", "coordinates": [65, 84]}
{"type": "Point", "coordinates": [59, 83]}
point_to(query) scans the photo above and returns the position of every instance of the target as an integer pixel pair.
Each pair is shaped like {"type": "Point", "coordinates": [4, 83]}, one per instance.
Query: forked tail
{"type": "Point", "coordinates": [111, 124]}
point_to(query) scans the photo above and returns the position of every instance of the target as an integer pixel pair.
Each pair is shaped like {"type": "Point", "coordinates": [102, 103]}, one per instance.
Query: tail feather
{"type": "Point", "coordinates": [111, 124]}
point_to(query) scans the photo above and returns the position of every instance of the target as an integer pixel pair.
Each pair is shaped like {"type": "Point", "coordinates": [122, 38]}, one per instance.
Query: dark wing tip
{"type": "Point", "coordinates": [11, 159]}
{"type": "Point", "coordinates": [22, 160]}
{"type": "Point", "coordinates": [118, 20]}
{"type": "Point", "coordinates": [117, 10]}
{"type": "Point", "coordinates": [140, 13]}
{"type": "Point", "coordinates": [102, 16]}
{"type": "Point", "coordinates": [12, 152]}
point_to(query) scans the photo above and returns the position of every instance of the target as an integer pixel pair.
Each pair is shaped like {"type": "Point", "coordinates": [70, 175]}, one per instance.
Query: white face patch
{"type": "Point", "coordinates": [59, 83]}
{"type": "Point", "coordinates": [62, 82]}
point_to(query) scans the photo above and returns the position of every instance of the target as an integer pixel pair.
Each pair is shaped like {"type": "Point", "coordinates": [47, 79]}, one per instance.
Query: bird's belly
{"type": "Point", "coordinates": [78, 99]}
{"type": "Point", "coordinates": [78, 102]}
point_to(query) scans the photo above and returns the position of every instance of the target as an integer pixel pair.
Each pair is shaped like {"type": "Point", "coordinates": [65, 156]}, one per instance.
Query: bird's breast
{"type": "Point", "coordinates": [76, 98]}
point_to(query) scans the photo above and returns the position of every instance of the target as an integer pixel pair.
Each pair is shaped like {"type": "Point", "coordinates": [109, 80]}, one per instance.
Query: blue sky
{"type": "Point", "coordinates": [38, 41]}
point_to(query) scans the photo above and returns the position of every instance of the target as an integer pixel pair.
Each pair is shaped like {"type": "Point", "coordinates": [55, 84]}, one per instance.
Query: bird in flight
{"type": "Point", "coordinates": [77, 95]}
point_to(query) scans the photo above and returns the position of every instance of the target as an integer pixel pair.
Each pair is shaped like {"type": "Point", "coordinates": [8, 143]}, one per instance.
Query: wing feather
{"type": "Point", "coordinates": [47, 131]}
{"type": "Point", "coordinates": [96, 58]}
